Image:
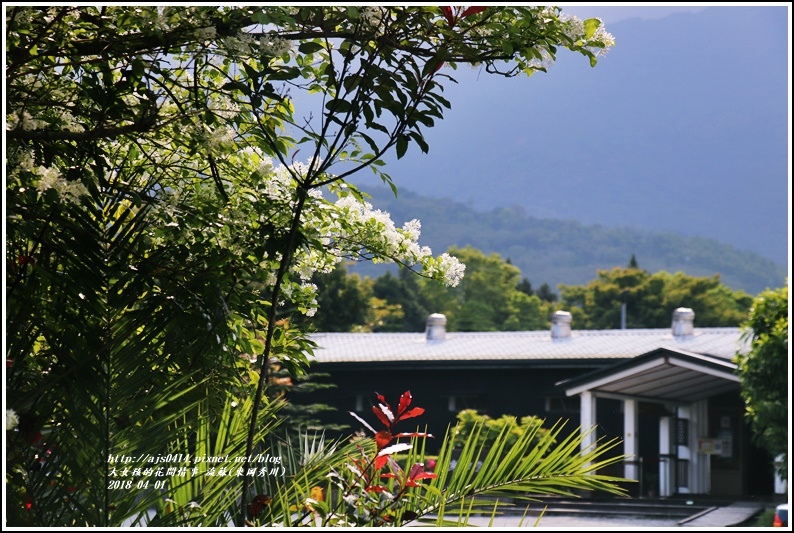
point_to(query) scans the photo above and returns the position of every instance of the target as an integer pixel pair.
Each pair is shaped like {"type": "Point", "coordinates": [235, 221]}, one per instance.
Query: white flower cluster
{"type": "Point", "coordinates": [545, 60]}
{"type": "Point", "coordinates": [224, 107]}
{"type": "Point", "coordinates": [58, 118]}
{"type": "Point", "coordinates": [574, 29]}
{"type": "Point", "coordinates": [214, 140]}
{"type": "Point", "coordinates": [548, 13]}
{"type": "Point", "coordinates": [602, 36]}
{"type": "Point", "coordinates": [448, 268]}
{"type": "Point", "coordinates": [244, 44]}
{"type": "Point", "coordinates": [373, 223]}
{"type": "Point", "coordinates": [304, 295]}
{"type": "Point", "coordinates": [205, 34]}
{"type": "Point", "coordinates": [372, 15]}
{"type": "Point", "coordinates": [309, 261]}
{"type": "Point", "coordinates": [51, 178]}
{"type": "Point", "coordinates": [25, 121]}
{"type": "Point", "coordinates": [346, 227]}
{"type": "Point", "coordinates": [12, 420]}
{"type": "Point", "coordinates": [274, 46]}
{"type": "Point", "coordinates": [252, 156]}
{"type": "Point", "coordinates": [375, 228]}
{"type": "Point", "coordinates": [281, 182]}
{"type": "Point", "coordinates": [12, 121]}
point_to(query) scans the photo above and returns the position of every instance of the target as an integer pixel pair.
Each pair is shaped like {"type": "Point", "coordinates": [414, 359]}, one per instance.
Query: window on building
{"type": "Point", "coordinates": [459, 402]}
{"type": "Point", "coordinates": [562, 404]}
{"type": "Point", "coordinates": [682, 431]}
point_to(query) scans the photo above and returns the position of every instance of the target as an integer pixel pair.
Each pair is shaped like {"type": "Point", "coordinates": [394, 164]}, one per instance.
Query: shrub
{"type": "Point", "coordinates": [469, 419]}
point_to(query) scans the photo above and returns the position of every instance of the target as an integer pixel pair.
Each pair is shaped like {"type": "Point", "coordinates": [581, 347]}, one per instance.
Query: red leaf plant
{"type": "Point", "coordinates": [447, 11]}
{"type": "Point", "coordinates": [453, 15]}
{"type": "Point", "coordinates": [368, 502]}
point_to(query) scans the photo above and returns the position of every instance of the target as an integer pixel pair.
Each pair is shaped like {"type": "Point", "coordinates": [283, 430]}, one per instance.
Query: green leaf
{"type": "Point", "coordinates": [236, 85]}
{"type": "Point", "coordinates": [402, 146]}
{"type": "Point", "coordinates": [590, 27]}
{"type": "Point", "coordinates": [337, 105]}
{"type": "Point", "coordinates": [425, 119]}
{"type": "Point", "coordinates": [284, 74]}
{"type": "Point", "coordinates": [370, 141]}
{"type": "Point", "coordinates": [251, 71]}
{"type": "Point", "coordinates": [351, 82]}
{"type": "Point", "coordinates": [417, 136]}
{"type": "Point", "coordinates": [136, 198]}
{"type": "Point", "coordinates": [377, 126]}
{"type": "Point", "coordinates": [551, 466]}
{"type": "Point", "coordinates": [261, 17]}
{"type": "Point", "coordinates": [310, 47]}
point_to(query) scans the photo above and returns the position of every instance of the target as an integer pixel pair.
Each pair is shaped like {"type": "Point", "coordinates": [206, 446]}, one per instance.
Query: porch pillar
{"type": "Point", "coordinates": [781, 485]}
{"type": "Point", "coordinates": [630, 468]}
{"type": "Point", "coordinates": [701, 462]}
{"type": "Point", "coordinates": [685, 461]}
{"type": "Point", "coordinates": [666, 458]}
{"type": "Point", "coordinates": [588, 416]}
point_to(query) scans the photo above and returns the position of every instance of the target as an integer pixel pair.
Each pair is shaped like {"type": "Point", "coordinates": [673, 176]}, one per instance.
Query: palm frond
{"type": "Point", "coordinates": [202, 495]}
{"type": "Point", "coordinates": [522, 472]}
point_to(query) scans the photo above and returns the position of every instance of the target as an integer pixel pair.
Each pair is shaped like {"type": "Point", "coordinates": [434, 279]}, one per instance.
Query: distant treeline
{"type": "Point", "coordinates": [494, 296]}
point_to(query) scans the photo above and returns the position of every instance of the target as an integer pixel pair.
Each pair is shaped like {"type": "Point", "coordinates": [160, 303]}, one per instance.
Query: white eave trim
{"type": "Point", "coordinates": [612, 377]}
{"type": "Point", "coordinates": [724, 374]}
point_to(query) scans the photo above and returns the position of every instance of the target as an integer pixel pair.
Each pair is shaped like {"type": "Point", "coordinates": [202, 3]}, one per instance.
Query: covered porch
{"type": "Point", "coordinates": [675, 386]}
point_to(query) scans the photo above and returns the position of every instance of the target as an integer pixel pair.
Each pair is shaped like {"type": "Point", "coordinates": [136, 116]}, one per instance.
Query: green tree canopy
{"type": "Point", "coordinates": [525, 286]}
{"type": "Point", "coordinates": [651, 299]}
{"type": "Point", "coordinates": [342, 302]}
{"type": "Point", "coordinates": [546, 294]}
{"type": "Point", "coordinates": [765, 372]}
{"type": "Point", "coordinates": [403, 291]}
{"type": "Point", "coordinates": [489, 298]}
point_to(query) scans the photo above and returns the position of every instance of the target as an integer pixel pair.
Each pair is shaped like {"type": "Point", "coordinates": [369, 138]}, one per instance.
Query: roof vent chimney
{"type": "Point", "coordinates": [436, 327]}
{"type": "Point", "coordinates": [683, 322]}
{"type": "Point", "coordinates": [561, 325]}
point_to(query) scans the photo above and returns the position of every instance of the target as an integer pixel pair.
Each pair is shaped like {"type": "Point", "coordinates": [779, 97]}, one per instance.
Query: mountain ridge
{"type": "Point", "coordinates": [557, 251]}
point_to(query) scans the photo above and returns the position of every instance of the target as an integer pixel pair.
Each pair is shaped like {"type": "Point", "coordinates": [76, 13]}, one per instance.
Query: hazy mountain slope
{"type": "Point", "coordinates": [682, 127]}
{"type": "Point", "coordinates": [556, 251]}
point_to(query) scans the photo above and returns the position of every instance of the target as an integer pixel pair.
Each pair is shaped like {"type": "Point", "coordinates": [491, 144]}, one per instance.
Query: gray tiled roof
{"type": "Point", "coordinates": [520, 345]}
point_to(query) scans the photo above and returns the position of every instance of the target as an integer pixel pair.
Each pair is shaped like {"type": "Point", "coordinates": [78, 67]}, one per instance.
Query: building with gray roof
{"type": "Point", "coordinates": [671, 395]}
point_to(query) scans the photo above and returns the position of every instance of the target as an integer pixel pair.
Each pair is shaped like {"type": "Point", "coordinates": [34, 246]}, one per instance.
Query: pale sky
{"type": "Point", "coordinates": [617, 12]}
